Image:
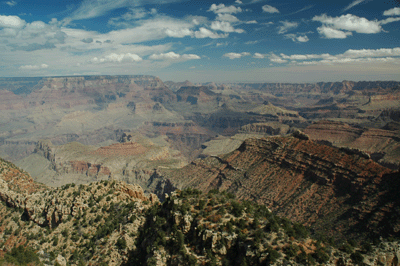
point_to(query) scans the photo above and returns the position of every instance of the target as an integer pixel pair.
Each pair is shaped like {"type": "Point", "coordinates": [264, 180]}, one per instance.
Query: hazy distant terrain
{"type": "Point", "coordinates": [180, 121]}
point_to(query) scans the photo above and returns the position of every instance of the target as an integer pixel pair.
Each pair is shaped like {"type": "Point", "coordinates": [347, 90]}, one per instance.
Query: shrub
{"type": "Point", "coordinates": [273, 255]}
{"type": "Point", "coordinates": [347, 248]}
{"type": "Point", "coordinates": [237, 208]}
{"type": "Point", "coordinates": [121, 243]}
{"type": "Point", "coordinates": [357, 258]}
{"type": "Point", "coordinates": [21, 255]}
{"type": "Point", "coordinates": [55, 241]}
{"type": "Point", "coordinates": [321, 256]}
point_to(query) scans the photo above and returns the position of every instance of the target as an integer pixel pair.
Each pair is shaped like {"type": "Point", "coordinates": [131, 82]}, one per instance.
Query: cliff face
{"type": "Point", "coordinates": [114, 223]}
{"type": "Point", "coordinates": [325, 87]}
{"type": "Point", "coordinates": [194, 94]}
{"type": "Point", "coordinates": [383, 145]}
{"type": "Point", "coordinates": [304, 181]}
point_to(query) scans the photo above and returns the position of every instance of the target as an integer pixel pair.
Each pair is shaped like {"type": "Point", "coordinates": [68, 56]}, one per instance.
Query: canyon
{"type": "Point", "coordinates": [322, 155]}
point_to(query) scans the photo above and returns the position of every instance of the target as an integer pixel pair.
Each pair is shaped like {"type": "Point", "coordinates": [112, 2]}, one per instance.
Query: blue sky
{"type": "Point", "coordinates": [221, 41]}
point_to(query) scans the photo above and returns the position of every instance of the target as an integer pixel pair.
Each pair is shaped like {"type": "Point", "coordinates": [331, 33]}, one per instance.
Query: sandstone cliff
{"type": "Point", "coordinates": [304, 181]}
{"type": "Point", "coordinates": [383, 145]}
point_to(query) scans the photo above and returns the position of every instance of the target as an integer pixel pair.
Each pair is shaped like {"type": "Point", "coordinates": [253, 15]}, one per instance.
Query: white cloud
{"type": "Point", "coordinates": [236, 55]}
{"type": "Point", "coordinates": [349, 22]}
{"type": "Point", "coordinates": [117, 58]}
{"type": "Point", "coordinates": [307, 56]}
{"type": "Point", "coordinates": [11, 3]}
{"type": "Point", "coordinates": [96, 8]}
{"type": "Point", "coordinates": [178, 33]}
{"type": "Point", "coordinates": [252, 42]}
{"type": "Point", "coordinates": [286, 26]}
{"type": "Point", "coordinates": [353, 4]}
{"type": "Point", "coordinates": [372, 53]}
{"type": "Point", "coordinates": [276, 59]}
{"type": "Point", "coordinates": [383, 55]}
{"type": "Point", "coordinates": [270, 9]}
{"type": "Point", "coordinates": [221, 44]}
{"type": "Point", "coordinates": [251, 22]}
{"type": "Point", "coordinates": [392, 12]}
{"type": "Point", "coordinates": [388, 20]}
{"type": "Point", "coordinates": [238, 2]}
{"type": "Point", "coordinates": [331, 33]}
{"type": "Point", "coordinates": [33, 67]}
{"type": "Point", "coordinates": [11, 22]}
{"type": "Point", "coordinates": [302, 38]}
{"type": "Point", "coordinates": [296, 38]}
{"type": "Point", "coordinates": [227, 17]}
{"type": "Point", "coordinates": [132, 15]}
{"type": "Point", "coordinates": [173, 56]}
{"type": "Point", "coordinates": [221, 8]}
{"type": "Point", "coordinates": [206, 33]}
{"type": "Point", "coordinates": [224, 26]}
{"type": "Point", "coordinates": [259, 56]}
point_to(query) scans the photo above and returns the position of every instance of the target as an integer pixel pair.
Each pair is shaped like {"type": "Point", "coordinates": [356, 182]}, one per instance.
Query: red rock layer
{"type": "Point", "coordinates": [384, 142]}
{"type": "Point", "coordinates": [307, 182]}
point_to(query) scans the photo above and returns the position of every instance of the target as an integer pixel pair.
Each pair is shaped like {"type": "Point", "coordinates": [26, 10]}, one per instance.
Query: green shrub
{"type": "Point", "coordinates": [357, 258]}
{"type": "Point", "coordinates": [21, 255]}
{"type": "Point", "coordinates": [121, 243]}
{"type": "Point", "coordinates": [237, 208]}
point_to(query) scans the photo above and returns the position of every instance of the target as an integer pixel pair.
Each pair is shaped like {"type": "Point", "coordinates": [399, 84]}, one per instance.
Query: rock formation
{"type": "Point", "coordinates": [304, 181]}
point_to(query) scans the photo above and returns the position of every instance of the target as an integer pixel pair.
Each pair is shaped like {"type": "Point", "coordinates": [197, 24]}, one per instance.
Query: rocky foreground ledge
{"type": "Point", "coordinates": [114, 223]}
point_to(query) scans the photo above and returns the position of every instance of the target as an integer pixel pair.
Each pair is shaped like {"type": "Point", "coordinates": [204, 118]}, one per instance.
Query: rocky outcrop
{"type": "Point", "coordinates": [48, 207]}
{"type": "Point", "coordinates": [381, 144]}
{"type": "Point", "coordinates": [187, 137]}
{"type": "Point", "coordinates": [307, 182]}
{"type": "Point", "coordinates": [322, 87]}
{"type": "Point", "coordinates": [271, 128]}
{"type": "Point", "coordinates": [194, 94]}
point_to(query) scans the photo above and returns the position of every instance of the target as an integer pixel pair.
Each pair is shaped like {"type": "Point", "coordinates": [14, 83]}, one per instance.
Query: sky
{"type": "Point", "coordinates": [203, 41]}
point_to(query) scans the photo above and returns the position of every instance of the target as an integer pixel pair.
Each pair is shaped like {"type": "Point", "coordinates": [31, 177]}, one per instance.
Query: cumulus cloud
{"type": "Point", "coordinates": [224, 26]}
{"type": "Point", "coordinates": [330, 33]}
{"type": "Point", "coordinates": [206, 33]}
{"type": "Point", "coordinates": [117, 58]}
{"type": "Point", "coordinates": [258, 56]}
{"type": "Point", "coordinates": [33, 67]}
{"type": "Point", "coordinates": [178, 33]}
{"type": "Point", "coordinates": [251, 22]}
{"type": "Point", "coordinates": [286, 26]}
{"type": "Point", "coordinates": [348, 23]}
{"type": "Point", "coordinates": [173, 56]}
{"type": "Point", "coordinates": [221, 8]}
{"type": "Point", "coordinates": [11, 22]}
{"type": "Point", "coordinates": [238, 2]}
{"type": "Point", "coordinates": [349, 56]}
{"type": "Point", "coordinates": [392, 12]}
{"type": "Point", "coordinates": [276, 59]}
{"type": "Point", "coordinates": [383, 52]}
{"type": "Point", "coordinates": [227, 17]}
{"type": "Point", "coordinates": [296, 38]}
{"type": "Point", "coordinates": [270, 9]}
{"type": "Point", "coordinates": [236, 55]}
{"type": "Point", "coordinates": [307, 56]}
